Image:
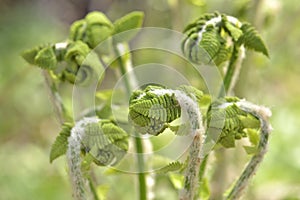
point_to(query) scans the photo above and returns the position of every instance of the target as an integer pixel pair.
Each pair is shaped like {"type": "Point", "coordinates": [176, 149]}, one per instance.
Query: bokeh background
{"type": "Point", "coordinates": [28, 125]}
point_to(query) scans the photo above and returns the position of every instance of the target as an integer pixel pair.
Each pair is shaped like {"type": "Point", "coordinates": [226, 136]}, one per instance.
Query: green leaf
{"type": "Point", "coordinates": [60, 145]}
{"type": "Point", "coordinates": [102, 191]}
{"type": "Point", "coordinates": [106, 142]}
{"type": "Point", "coordinates": [46, 58]}
{"type": "Point", "coordinates": [99, 28]}
{"type": "Point", "coordinates": [173, 166]}
{"type": "Point", "coordinates": [252, 40]}
{"type": "Point", "coordinates": [253, 135]}
{"type": "Point", "coordinates": [232, 30]}
{"type": "Point", "coordinates": [30, 54]}
{"type": "Point", "coordinates": [77, 30]}
{"type": "Point", "coordinates": [250, 121]}
{"type": "Point", "coordinates": [128, 22]}
{"type": "Point", "coordinates": [224, 115]}
{"type": "Point", "coordinates": [222, 55]}
{"type": "Point", "coordinates": [151, 113]}
{"type": "Point", "coordinates": [250, 149]}
{"type": "Point", "coordinates": [204, 189]}
{"type": "Point", "coordinates": [228, 141]}
{"type": "Point", "coordinates": [177, 180]}
{"type": "Point", "coordinates": [77, 52]}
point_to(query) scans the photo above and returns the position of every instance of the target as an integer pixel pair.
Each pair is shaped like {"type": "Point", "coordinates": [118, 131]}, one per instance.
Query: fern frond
{"type": "Point", "coordinates": [226, 116]}
{"type": "Point", "coordinates": [60, 145]}
{"type": "Point", "coordinates": [105, 142]}
{"type": "Point", "coordinates": [252, 40]}
{"type": "Point", "coordinates": [171, 167]}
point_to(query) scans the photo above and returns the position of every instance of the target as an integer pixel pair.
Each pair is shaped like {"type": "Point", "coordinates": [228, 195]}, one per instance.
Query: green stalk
{"type": "Point", "coordinates": [55, 98]}
{"type": "Point", "coordinates": [232, 67]}
{"type": "Point", "coordinates": [124, 62]}
{"type": "Point", "coordinates": [93, 189]}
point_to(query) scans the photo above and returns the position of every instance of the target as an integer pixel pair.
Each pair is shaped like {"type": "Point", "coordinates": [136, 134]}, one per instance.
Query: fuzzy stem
{"type": "Point", "coordinates": [202, 169]}
{"type": "Point", "coordinates": [192, 171]}
{"type": "Point", "coordinates": [125, 66]}
{"type": "Point", "coordinates": [79, 182]}
{"type": "Point", "coordinates": [263, 115]}
{"type": "Point", "coordinates": [190, 112]}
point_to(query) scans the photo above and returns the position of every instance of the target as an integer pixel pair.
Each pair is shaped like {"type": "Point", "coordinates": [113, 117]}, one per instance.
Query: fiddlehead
{"type": "Point", "coordinates": [225, 116]}
{"type": "Point", "coordinates": [82, 64]}
{"type": "Point", "coordinates": [219, 38]}
{"type": "Point", "coordinates": [213, 36]}
{"type": "Point", "coordinates": [263, 114]}
{"type": "Point", "coordinates": [92, 30]}
{"type": "Point", "coordinates": [102, 140]}
{"type": "Point", "coordinates": [152, 109]}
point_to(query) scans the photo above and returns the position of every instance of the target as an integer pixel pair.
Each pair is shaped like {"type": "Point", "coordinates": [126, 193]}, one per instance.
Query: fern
{"type": "Point", "coordinates": [234, 31]}
{"type": "Point", "coordinates": [150, 112]}
{"type": "Point", "coordinates": [105, 142]}
{"type": "Point", "coordinates": [60, 145]}
{"type": "Point", "coordinates": [92, 30]}
{"type": "Point", "coordinates": [153, 109]}
{"type": "Point", "coordinates": [171, 167]}
{"type": "Point", "coordinates": [226, 116]}
{"type": "Point", "coordinates": [251, 39]}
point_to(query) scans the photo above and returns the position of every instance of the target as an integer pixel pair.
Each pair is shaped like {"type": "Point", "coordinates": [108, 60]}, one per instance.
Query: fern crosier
{"type": "Point", "coordinates": [152, 109]}
{"type": "Point", "coordinates": [102, 140]}
{"type": "Point", "coordinates": [213, 38]}
{"type": "Point", "coordinates": [224, 115]}
{"type": "Point", "coordinates": [79, 64]}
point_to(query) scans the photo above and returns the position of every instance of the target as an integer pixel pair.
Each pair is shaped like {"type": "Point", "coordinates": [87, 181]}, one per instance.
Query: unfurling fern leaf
{"type": "Point", "coordinates": [153, 109]}
{"type": "Point", "coordinates": [251, 39]}
{"type": "Point", "coordinates": [44, 56]}
{"type": "Point", "coordinates": [60, 145]}
{"type": "Point", "coordinates": [151, 112]}
{"type": "Point", "coordinates": [171, 167]}
{"type": "Point", "coordinates": [213, 36]}
{"type": "Point", "coordinates": [105, 142]}
{"type": "Point", "coordinates": [226, 116]}
{"type": "Point", "coordinates": [92, 30]}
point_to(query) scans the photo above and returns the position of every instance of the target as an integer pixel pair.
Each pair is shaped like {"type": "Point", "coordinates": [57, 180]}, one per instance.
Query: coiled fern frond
{"type": "Point", "coordinates": [152, 109]}
{"type": "Point", "coordinates": [211, 38]}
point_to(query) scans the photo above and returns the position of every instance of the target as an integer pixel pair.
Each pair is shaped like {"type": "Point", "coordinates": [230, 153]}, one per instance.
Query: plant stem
{"type": "Point", "coordinates": [55, 98]}
{"type": "Point", "coordinates": [233, 69]}
{"type": "Point", "coordinates": [202, 169]}
{"type": "Point", "coordinates": [79, 182]}
{"type": "Point", "coordinates": [190, 113]}
{"type": "Point", "coordinates": [263, 115]}
{"type": "Point", "coordinates": [93, 189]}
{"type": "Point", "coordinates": [125, 66]}
{"type": "Point", "coordinates": [192, 171]}
{"type": "Point", "coordinates": [230, 79]}
{"type": "Point", "coordinates": [141, 166]}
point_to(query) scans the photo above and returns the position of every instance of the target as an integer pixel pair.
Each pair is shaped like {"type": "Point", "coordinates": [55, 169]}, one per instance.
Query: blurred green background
{"type": "Point", "coordinates": [28, 125]}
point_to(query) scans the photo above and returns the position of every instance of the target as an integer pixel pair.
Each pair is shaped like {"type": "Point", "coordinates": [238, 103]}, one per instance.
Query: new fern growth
{"type": "Point", "coordinates": [102, 140]}
{"type": "Point", "coordinates": [213, 38]}
{"type": "Point", "coordinates": [153, 109]}
{"type": "Point", "coordinates": [218, 38]}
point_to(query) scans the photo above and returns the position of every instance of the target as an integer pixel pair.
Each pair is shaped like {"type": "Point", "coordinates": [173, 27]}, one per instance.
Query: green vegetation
{"type": "Point", "coordinates": [104, 137]}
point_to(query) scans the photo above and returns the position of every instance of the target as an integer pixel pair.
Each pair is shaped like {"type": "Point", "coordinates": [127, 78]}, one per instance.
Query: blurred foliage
{"type": "Point", "coordinates": [27, 125]}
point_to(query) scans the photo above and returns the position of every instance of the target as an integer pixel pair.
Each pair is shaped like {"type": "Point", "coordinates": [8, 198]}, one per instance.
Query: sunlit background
{"type": "Point", "coordinates": [28, 125]}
